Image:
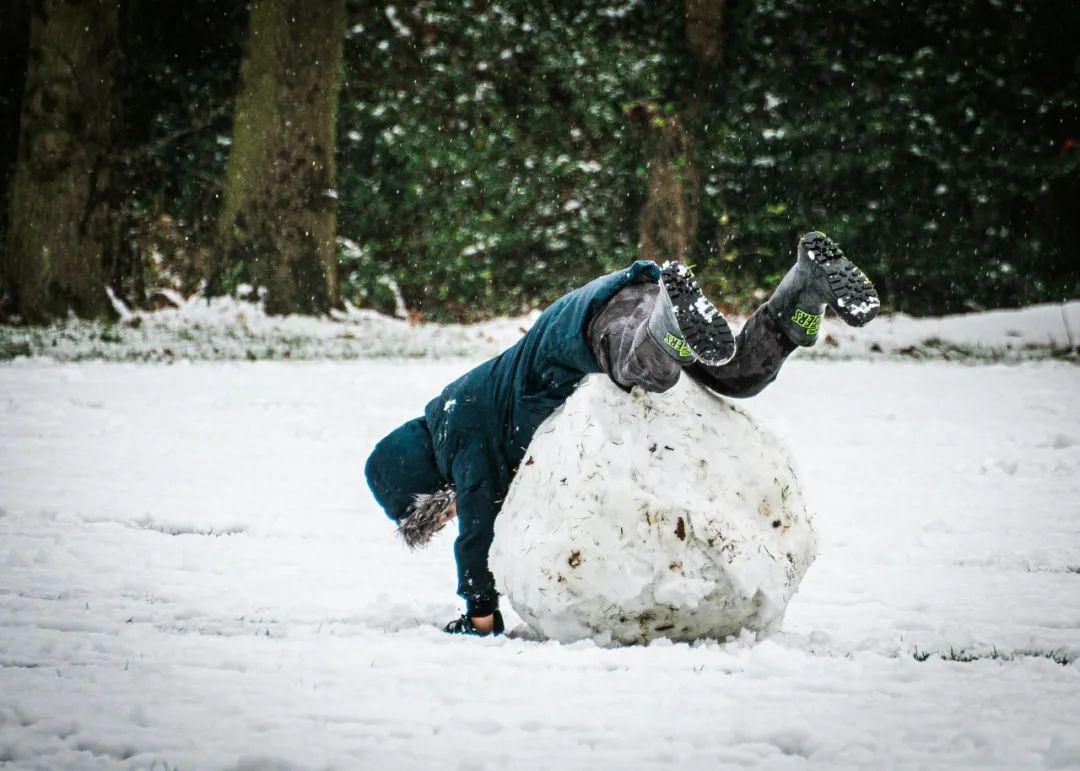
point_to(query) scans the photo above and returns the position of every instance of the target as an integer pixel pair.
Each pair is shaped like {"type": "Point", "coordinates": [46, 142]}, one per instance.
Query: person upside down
{"type": "Point", "coordinates": [642, 326]}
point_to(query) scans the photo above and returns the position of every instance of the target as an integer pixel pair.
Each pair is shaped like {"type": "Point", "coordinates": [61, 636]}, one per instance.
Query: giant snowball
{"type": "Point", "coordinates": [638, 516]}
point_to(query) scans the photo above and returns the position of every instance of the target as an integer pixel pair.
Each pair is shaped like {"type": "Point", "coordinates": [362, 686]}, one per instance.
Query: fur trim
{"type": "Point", "coordinates": [425, 517]}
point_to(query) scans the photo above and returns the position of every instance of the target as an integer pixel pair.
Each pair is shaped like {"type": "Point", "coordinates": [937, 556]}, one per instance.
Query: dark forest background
{"type": "Point", "coordinates": [484, 157]}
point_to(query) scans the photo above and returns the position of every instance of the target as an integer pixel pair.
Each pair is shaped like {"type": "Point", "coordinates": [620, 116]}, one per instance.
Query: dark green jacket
{"type": "Point", "coordinates": [483, 422]}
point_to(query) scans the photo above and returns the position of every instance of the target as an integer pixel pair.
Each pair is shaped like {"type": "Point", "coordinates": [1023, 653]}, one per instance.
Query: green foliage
{"type": "Point", "coordinates": [934, 140]}
{"type": "Point", "coordinates": [494, 155]}
{"type": "Point", "coordinates": [488, 161]}
{"type": "Point", "coordinates": [182, 62]}
{"type": "Point", "coordinates": [485, 159]}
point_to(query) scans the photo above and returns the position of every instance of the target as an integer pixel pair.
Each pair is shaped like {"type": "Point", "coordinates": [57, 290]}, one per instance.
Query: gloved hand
{"type": "Point", "coordinates": [482, 626]}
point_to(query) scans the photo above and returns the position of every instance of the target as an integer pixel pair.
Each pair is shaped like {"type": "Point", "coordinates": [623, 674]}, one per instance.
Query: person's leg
{"type": "Point", "coordinates": [761, 347]}
{"type": "Point", "coordinates": [648, 332]}
{"type": "Point", "coordinates": [822, 276]}
{"type": "Point", "coordinates": [682, 306]}
{"type": "Point", "coordinates": [624, 347]}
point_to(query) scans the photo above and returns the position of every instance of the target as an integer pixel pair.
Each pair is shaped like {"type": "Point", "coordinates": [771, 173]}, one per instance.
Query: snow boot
{"type": "Point", "coordinates": [464, 625]}
{"type": "Point", "coordinates": [685, 324]}
{"type": "Point", "coordinates": [822, 276]}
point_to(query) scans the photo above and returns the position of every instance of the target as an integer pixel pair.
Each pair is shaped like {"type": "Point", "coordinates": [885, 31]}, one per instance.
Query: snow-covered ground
{"type": "Point", "coordinates": [225, 329]}
{"type": "Point", "coordinates": [193, 576]}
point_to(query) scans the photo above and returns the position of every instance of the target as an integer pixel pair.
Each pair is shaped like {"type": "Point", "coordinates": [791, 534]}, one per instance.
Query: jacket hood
{"type": "Point", "coordinates": [401, 467]}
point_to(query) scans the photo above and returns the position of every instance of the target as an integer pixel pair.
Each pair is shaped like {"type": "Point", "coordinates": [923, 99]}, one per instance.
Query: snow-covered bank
{"type": "Point", "coordinates": [1033, 332]}
{"type": "Point", "coordinates": [224, 329]}
{"type": "Point", "coordinates": [192, 575]}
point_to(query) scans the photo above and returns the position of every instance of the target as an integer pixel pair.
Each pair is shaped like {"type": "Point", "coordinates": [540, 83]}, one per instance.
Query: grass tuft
{"type": "Point", "coordinates": [964, 656]}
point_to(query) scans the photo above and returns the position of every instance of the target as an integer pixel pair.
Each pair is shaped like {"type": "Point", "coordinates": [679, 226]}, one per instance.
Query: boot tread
{"type": "Point", "coordinates": [704, 328]}
{"type": "Point", "coordinates": [852, 294]}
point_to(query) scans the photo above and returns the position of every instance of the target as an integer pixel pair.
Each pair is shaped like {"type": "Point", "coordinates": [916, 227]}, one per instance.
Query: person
{"type": "Point", "coordinates": [642, 326]}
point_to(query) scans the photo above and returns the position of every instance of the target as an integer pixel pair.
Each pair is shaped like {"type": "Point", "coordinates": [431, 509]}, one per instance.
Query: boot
{"type": "Point", "coordinates": [822, 276]}
{"type": "Point", "coordinates": [685, 324]}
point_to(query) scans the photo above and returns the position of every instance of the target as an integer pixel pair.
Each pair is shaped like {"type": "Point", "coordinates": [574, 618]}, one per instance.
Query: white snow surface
{"type": "Point", "coordinates": [194, 576]}
{"type": "Point", "coordinates": [649, 516]}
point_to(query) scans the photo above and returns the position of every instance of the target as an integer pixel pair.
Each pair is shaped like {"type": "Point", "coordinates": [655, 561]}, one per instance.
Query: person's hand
{"type": "Point", "coordinates": [484, 624]}
{"type": "Point", "coordinates": [448, 514]}
{"type": "Point", "coordinates": [480, 626]}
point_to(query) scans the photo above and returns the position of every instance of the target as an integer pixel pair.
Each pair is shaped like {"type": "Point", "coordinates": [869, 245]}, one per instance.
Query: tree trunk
{"type": "Point", "coordinates": [277, 226]}
{"type": "Point", "coordinates": [704, 29]}
{"type": "Point", "coordinates": [669, 219]}
{"type": "Point", "coordinates": [14, 45]}
{"type": "Point", "coordinates": [60, 229]}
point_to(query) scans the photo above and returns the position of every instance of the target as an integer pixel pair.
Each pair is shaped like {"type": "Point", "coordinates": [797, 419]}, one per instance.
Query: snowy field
{"type": "Point", "coordinates": [193, 576]}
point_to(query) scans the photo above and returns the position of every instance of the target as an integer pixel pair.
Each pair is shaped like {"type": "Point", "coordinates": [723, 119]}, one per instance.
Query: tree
{"type": "Point", "coordinates": [670, 216]}
{"type": "Point", "coordinates": [277, 225]}
{"type": "Point", "coordinates": [14, 41]}
{"type": "Point", "coordinates": [60, 236]}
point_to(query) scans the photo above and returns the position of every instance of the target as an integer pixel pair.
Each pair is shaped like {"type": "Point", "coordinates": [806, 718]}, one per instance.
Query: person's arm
{"type": "Point", "coordinates": [480, 477]}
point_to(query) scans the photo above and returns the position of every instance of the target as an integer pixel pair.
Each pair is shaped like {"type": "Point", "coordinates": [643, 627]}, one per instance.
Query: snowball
{"type": "Point", "coordinates": [639, 516]}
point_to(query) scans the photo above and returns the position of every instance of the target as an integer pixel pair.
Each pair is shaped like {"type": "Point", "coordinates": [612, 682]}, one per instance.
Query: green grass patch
{"type": "Point", "coordinates": [965, 656]}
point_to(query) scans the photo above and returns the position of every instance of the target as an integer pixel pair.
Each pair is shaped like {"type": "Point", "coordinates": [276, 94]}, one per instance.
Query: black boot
{"type": "Point", "coordinates": [822, 276]}
{"type": "Point", "coordinates": [685, 324]}
{"type": "Point", "coordinates": [464, 625]}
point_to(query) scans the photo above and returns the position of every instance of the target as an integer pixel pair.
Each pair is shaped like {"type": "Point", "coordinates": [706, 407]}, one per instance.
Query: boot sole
{"type": "Point", "coordinates": [705, 330]}
{"type": "Point", "coordinates": [854, 298]}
